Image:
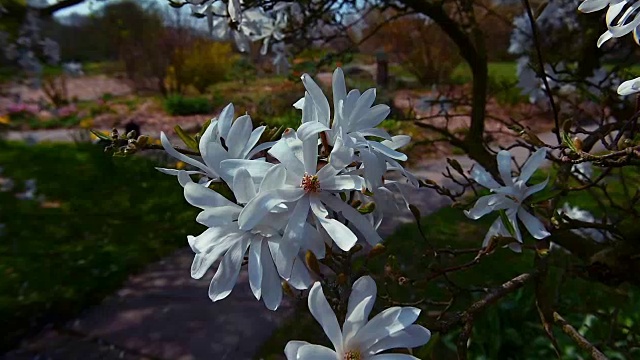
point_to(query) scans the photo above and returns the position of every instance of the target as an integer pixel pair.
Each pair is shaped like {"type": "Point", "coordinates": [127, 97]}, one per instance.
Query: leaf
{"type": "Point", "coordinates": [507, 223]}
{"type": "Point", "coordinates": [186, 138]}
{"type": "Point", "coordinates": [100, 135]}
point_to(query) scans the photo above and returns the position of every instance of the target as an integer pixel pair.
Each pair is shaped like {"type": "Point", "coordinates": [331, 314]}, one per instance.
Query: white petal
{"type": "Point", "coordinates": [243, 187]}
{"type": "Point", "coordinates": [294, 231]}
{"type": "Point", "coordinates": [593, 5]}
{"type": "Point", "coordinates": [260, 205]}
{"type": "Point", "coordinates": [291, 350]}
{"type": "Point", "coordinates": [316, 352]}
{"type": "Point", "coordinates": [374, 168]}
{"type": "Point", "coordinates": [214, 154]}
{"type": "Point", "coordinates": [358, 220]}
{"type": "Point", "coordinates": [338, 87]}
{"type": "Point", "coordinates": [204, 198]}
{"type": "Point", "coordinates": [504, 167]}
{"type": "Point", "coordinates": [533, 224]}
{"type": "Point", "coordinates": [361, 300]}
{"type": "Point", "coordinates": [299, 104]}
{"type": "Point", "coordinates": [362, 106]}
{"type": "Point", "coordinates": [387, 151]}
{"type": "Point", "coordinates": [397, 141]}
{"type": "Point", "coordinates": [321, 311]}
{"type": "Point", "coordinates": [300, 277]}
{"type": "Point", "coordinates": [239, 135]}
{"type": "Point", "coordinates": [482, 177]}
{"type": "Point", "coordinates": [271, 286]}
{"type": "Point", "coordinates": [309, 109]}
{"type": "Point", "coordinates": [373, 117]}
{"type": "Point", "coordinates": [481, 208]}
{"type": "Point", "coordinates": [341, 155]}
{"type": "Point", "coordinates": [255, 267]}
{"type": "Point", "coordinates": [184, 158]}
{"type": "Point", "coordinates": [411, 337]}
{"type": "Point", "coordinates": [282, 151]}
{"type": "Point", "coordinates": [251, 143]}
{"type": "Point", "coordinates": [532, 164]}
{"type": "Point", "coordinates": [310, 129]}
{"type": "Point", "coordinates": [284, 254]}
{"type": "Point", "coordinates": [256, 168]}
{"type": "Point", "coordinates": [607, 35]}
{"type": "Point", "coordinates": [377, 132]}
{"type": "Point", "coordinates": [225, 120]}
{"type": "Point", "coordinates": [274, 178]}
{"type": "Point", "coordinates": [318, 97]}
{"type": "Point", "coordinates": [341, 235]}
{"type": "Point", "coordinates": [313, 241]}
{"type": "Point", "coordinates": [342, 183]}
{"type": "Point", "coordinates": [261, 147]}
{"type": "Point", "coordinates": [629, 87]}
{"type": "Point", "coordinates": [384, 324]}
{"type": "Point", "coordinates": [225, 278]}
{"type": "Point", "coordinates": [535, 188]}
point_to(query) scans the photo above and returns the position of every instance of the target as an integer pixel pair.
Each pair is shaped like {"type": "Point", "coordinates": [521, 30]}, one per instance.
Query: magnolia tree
{"type": "Point", "coordinates": [301, 207]}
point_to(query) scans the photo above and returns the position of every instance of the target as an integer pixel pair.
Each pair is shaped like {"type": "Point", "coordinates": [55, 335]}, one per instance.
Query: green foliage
{"type": "Point", "coordinates": [181, 105]}
{"type": "Point", "coordinates": [103, 219]}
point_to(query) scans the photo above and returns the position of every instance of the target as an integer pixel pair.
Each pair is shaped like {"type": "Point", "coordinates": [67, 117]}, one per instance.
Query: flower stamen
{"type": "Point", "coordinates": [352, 355]}
{"type": "Point", "coordinates": [310, 183]}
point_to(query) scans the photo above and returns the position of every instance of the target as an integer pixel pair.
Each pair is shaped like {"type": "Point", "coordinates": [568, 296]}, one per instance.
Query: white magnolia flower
{"type": "Point", "coordinates": [622, 17]}
{"type": "Point", "coordinates": [360, 338]}
{"type": "Point", "coordinates": [305, 188]}
{"type": "Point", "coordinates": [224, 239]}
{"type": "Point", "coordinates": [629, 87]}
{"type": "Point", "coordinates": [582, 171]}
{"type": "Point", "coordinates": [223, 139]}
{"type": "Point", "coordinates": [576, 213]}
{"type": "Point", "coordinates": [354, 118]}
{"type": "Point", "coordinates": [509, 197]}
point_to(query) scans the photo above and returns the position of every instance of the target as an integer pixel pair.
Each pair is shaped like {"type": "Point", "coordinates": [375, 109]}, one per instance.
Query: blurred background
{"type": "Point", "coordinates": [92, 247]}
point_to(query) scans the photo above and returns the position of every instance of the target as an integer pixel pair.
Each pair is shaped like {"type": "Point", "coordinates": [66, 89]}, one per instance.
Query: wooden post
{"type": "Point", "coordinates": [382, 69]}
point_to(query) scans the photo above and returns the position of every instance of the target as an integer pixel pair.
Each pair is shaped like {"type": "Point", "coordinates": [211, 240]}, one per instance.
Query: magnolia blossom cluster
{"type": "Point", "coordinates": [30, 47]}
{"type": "Point", "coordinates": [233, 21]}
{"type": "Point", "coordinates": [556, 16]}
{"type": "Point", "coordinates": [294, 196]}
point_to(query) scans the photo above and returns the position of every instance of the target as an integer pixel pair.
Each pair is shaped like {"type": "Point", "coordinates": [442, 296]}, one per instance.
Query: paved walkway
{"type": "Point", "coordinates": [162, 313]}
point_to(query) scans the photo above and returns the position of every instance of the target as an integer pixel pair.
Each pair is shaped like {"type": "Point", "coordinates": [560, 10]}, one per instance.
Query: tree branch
{"type": "Point", "coordinates": [579, 339]}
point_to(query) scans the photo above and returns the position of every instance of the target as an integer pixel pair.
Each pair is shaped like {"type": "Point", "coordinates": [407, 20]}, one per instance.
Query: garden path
{"type": "Point", "coordinates": [161, 313]}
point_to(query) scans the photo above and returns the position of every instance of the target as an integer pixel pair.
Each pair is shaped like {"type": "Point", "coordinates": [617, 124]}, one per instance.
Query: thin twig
{"type": "Point", "coordinates": [579, 339]}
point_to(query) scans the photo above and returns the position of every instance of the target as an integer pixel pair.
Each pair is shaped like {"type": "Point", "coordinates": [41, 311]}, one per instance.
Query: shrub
{"type": "Point", "coordinates": [200, 65]}
{"type": "Point", "coordinates": [180, 105]}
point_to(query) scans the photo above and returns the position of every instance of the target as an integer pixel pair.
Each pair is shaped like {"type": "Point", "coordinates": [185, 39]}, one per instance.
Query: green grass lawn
{"type": "Point", "coordinates": [103, 219]}
{"type": "Point", "coordinates": [509, 330]}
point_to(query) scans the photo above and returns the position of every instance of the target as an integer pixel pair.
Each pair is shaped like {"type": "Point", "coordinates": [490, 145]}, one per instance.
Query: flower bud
{"type": "Point", "coordinates": [379, 249]}
{"type": "Point", "coordinates": [577, 143]}
{"type": "Point", "coordinates": [455, 165]}
{"type": "Point", "coordinates": [142, 140]}
{"type": "Point", "coordinates": [355, 248]}
{"type": "Point", "coordinates": [356, 203]}
{"type": "Point", "coordinates": [312, 262]}
{"type": "Point", "coordinates": [367, 208]}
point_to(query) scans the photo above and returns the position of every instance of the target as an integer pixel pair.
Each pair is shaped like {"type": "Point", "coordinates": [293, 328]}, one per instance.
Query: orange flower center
{"type": "Point", "coordinates": [310, 183]}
